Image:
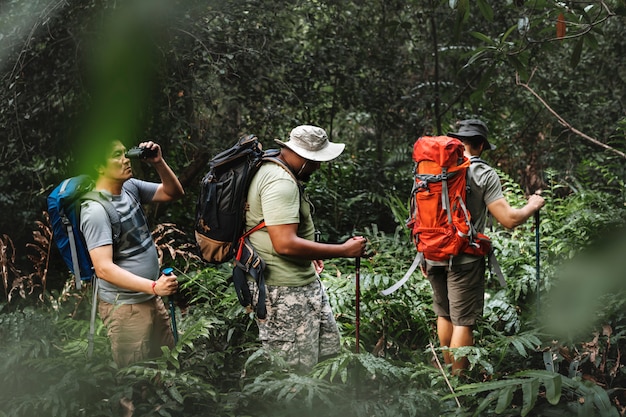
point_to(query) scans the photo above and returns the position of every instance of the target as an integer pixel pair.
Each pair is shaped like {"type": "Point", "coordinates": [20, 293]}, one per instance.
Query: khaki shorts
{"type": "Point", "coordinates": [300, 324]}
{"type": "Point", "coordinates": [458, 292]}
{"type": "Point", "coordinates": [136, 331]}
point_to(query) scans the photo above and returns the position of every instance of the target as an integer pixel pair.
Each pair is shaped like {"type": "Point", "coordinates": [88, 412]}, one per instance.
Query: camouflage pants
{"type": "Point", "coordinates": [300, 324]}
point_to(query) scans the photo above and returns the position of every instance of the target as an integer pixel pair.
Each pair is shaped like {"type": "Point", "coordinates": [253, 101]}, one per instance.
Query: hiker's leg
{"type": "Point", "coordinates": [444, 332]}
{"type": "Point", "coordinates": [162, 329]}
{"type": "Point", "coordinates": [437, 276]}
{"type": "Point", "coordinates": [277, 332]}
{"type": "Point", "coordinates": [128, 327]}
{"type": "Point", "coordinates": [299, 324]}
{"type": "Point", "coordinates": [461, 336]}
{"type": "Point", "coordinates": [329, 338]}
{"type": "Point", "coordinates": [466, 292]}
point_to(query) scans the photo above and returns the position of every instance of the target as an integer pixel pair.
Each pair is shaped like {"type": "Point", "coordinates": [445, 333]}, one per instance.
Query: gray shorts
{"type": "Point", "coordinates": [458, 292]}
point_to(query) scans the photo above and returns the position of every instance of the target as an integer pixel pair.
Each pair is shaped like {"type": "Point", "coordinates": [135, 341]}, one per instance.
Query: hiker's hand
{"type": "Point", "coordinates": [155, 147]}
{"type": "Point", "coordinates": [536, 201]}
{"type": "Point", "coordinates": [166, 285]}
{"type": "Point", "coordinates": [318, 264]}
{"type": "Point", "coordinates": [355, 247]}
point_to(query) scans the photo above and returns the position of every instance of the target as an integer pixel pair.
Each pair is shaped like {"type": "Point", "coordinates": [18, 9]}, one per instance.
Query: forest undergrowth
{"type": "Point", "coordinates": [550, 343]}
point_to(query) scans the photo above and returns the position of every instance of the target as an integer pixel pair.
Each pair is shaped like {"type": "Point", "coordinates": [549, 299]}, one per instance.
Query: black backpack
{"type": "Point", "coordinates": [220, 214]}
{"type": "Point", "coordinates": [223, 192]}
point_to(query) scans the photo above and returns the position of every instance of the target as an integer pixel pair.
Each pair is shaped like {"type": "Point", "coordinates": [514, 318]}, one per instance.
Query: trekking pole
{"type": "Point", "coordinates": [537, 259]}
{"type": "Point", "coordinates": [358, 301]}
{"type": "Point", "coordinates": [168, 271]}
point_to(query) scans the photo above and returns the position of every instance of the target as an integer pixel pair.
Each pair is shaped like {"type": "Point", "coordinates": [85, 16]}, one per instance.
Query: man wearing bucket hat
{"type": "Point", "coordinates": [459, 289]}
{"type": "Point", "coordinates": [300, 324]}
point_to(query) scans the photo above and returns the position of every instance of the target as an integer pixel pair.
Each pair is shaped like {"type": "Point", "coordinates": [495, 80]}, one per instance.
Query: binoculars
{"type": "Point", "coordinates": [140, 153]}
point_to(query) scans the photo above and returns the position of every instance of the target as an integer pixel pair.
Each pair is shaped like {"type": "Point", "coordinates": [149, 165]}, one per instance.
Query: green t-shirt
{"type": "Point", "coordinates": [274, 196]}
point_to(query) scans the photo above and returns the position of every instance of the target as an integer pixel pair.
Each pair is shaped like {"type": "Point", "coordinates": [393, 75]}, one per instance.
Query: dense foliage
{"type": "Point", "coordinates": [195, 74]}
{"type": "Point", "coordinates": [556, 355]}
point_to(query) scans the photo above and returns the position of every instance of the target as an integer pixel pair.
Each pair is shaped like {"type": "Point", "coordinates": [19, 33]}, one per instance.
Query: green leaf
{"type": "Point", "coordinates": [471, 389]}
{"type": "Point", "coordinates": [591, 41]}
{"type": "Point", "coordinates": [485, 403]}
{"type": "Point", "coordinates": [520, 347]}
{"type": "Point", "coordinates": [176, 394]}
{"type": "Point", "coordinates": [530, 390]}
{"type": "Point", "coordinates": [476, 56]}
{"type": "Point", "coordinates": [505, 398]}
{"type": "Point", "coordinates": [482, 37]}
{"type": "Point", "coordinates": [485, 10]}
{"type": "Point", "coordinates": [601, 400]}
{"type": "Point", "coordinates": [507, 33]}
{"type": "Point", "coordinates": [577, 52]}
{"type": "Point", "coordinates": [553, 389]}
{"type": "Point", "coordinates": [463, 6]}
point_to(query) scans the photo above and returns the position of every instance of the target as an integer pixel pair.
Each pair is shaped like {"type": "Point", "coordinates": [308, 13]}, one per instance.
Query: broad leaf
{"type": "Point", "coordinates": [530, 390]}
{"type": "Point", "coordinates": [505, 398]}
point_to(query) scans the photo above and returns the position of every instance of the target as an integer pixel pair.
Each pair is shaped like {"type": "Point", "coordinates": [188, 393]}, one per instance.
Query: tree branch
{"type": "Point", "coordinates": [564, 122]}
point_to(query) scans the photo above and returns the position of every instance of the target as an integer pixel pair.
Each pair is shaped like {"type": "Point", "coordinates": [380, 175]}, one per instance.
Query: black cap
{"type": "Point", "coordinates": [471, 128]}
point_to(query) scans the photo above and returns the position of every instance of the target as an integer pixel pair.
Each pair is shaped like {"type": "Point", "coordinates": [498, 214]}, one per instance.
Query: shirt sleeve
{"type": "Point", "coordinates": [487, 181]}
{"type": "Point", "coordinates": [142, 191]}
{"type": "Point", "coordinates": [95, 225]}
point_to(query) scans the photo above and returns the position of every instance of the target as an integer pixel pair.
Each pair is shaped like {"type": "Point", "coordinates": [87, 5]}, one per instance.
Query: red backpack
{"type": "Point", "coordinates": [440, 223]}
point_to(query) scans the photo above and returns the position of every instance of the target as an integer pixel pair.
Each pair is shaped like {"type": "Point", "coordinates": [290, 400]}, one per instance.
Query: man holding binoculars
{"type": "Point", "coordinates": [130, 285]}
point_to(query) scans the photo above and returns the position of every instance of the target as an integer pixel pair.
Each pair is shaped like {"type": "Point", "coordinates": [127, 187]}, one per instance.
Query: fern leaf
{"type": "Point", "coordinates": [520, 347]}
{"type": "Point", "coordinates": [505, 398]}
{"type": "Point", "coordinates": [601, 400]}
{"type": "Point", "coordinates": [486, 403]}
{"type": "Point", "coordinates": [553, 389]}
{"type": "Point", "coordinates": [471, 389]}
{"type": "Point", "coordinates": [530, 390]}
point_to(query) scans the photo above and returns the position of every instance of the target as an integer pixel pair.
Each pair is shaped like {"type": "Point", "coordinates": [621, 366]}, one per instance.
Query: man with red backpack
{"type": "Point", "coordinates": [459, 285]}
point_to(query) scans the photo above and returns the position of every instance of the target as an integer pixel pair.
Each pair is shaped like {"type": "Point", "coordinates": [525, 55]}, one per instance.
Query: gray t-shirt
{"type": "Point", "coordinates": [136, 251]}
{"type": "Point", "coordinates": [485, 188]}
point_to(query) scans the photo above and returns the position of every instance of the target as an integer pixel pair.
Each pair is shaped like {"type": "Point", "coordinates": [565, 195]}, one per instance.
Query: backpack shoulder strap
{"type": "Point", "coordinates": [473, 160]}
{"type": "Point", "coordinates": [477, 159]}
{"type": "Point", "coordinates": [275, 159]}
{"type": "Point", "coordinates": [417, 262]}
{"type": "Point", "coordinates": [114, 216]}
{"type": "Point", "coordinates": [116, 227]}
{"type": "Point", "coordinates": [492, 263]}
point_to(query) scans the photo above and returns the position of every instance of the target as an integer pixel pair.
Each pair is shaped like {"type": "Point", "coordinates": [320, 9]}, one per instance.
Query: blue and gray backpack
{"type": "Point", "coordinates": [64, 210]}
{"type": "Point", "coordinates": [64, 204]}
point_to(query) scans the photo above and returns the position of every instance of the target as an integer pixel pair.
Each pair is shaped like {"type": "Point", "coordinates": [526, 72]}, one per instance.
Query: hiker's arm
{"type": "Point", "coordinates": [102, 259]}
{"type": "Point", "coordinates": [286, 242]}
{"type": "Point", "coordinates": [510, 217]}
{"type": "Point", "coordinates": [170, 188]}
